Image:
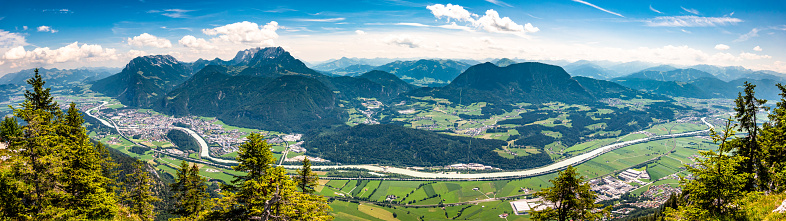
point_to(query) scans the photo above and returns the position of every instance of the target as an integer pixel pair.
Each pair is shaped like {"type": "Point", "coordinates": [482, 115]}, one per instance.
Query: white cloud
{"type": "Point", "coordinates": [195, 43]}
{"type": "Point", "coordinates": [655, 10]}
{"type": "Point", "coordinates": [18, 56]}
{"type": "Point", "coordinates": [451, 12]}
{"type": "Point", "coordinates": [45, 28]}
{"type": "Point", "coordinates": [757, 48]}
{"type": "Point", "coordinates": [491, 22]}
{"type": "Point", "coordinates": [172, 13]}
{"type": "Point", "coordinates": [245, 33]}
{"type": "Point", "coordinates": [9, 39]}
{"type": "Point", "coordinates": [753, 33]}
{"type": "Point", "coordinates": [686, 31]}
{"type": "Point", "coordinates": [751, 56]}
{"type": "Point", "coordinates": [412, 24]}
{"type": "Point", "coordinates": [721, 47]}
{"type": "Point", "coordinates": [24, 27]}
{"type": "Point", "coordinates": [690, 21]}
{"type": "Point", "coordinates": [453, 25]}
{"type": "Point", "coordinates": [321, 20]}
{"type": "Point", "coordinates": [597, 7]}
{"type": "Point", "coordinates": [403, 41]}
{"type": "Point", "coordinates": [360, 32]}
{"type": "Point", "coordinates": [690, 10]}
{"type": "Point", "coordinates": [499, 3]}
{"type": "Point", "coordinates": [135, 53]}
{"type": "Point", "coordinates": [146, 39]}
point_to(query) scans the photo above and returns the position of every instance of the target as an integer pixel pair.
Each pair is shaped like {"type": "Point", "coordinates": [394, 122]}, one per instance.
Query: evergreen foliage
{"type": "Point", "coordinates": [190, 192]}
{"type": "Point", "coordinates": [138, 193]}
{"type": "Point", "coordinates": [571, 197]}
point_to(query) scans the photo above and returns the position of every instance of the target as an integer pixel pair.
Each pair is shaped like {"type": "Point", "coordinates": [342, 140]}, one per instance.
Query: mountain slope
{"type": "Point", "coordinates": [286, 103]}
{"type": "Point", "coordinates": [425, 71]}
{"type": "Point", "coordinates": [144, 80]}
{"type": "Point", "coordinates": [681, 75]}
{"type": "Point", "coordinates": [522, 82]}
{"type": "Point", "coordinates": [55, 76]}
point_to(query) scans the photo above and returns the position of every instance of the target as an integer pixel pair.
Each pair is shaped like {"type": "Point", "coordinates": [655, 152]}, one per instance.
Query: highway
{"type": "Point", "coordinates": [418, 175]}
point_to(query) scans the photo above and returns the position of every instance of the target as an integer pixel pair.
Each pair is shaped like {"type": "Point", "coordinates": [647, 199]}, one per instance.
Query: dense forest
{"type": "Point", "coordinates": [402, 146]}
{"type": "Point", "coordinates": [182, 140]}
{"type": "Point", "coordinates": [55, 172]}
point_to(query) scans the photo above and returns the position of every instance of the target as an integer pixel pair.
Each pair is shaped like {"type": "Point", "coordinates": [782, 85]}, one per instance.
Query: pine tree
{"type": "Point", "coordinates": [572, 199]}
{"type": "Point", "coordinates": [266, 192]}
{"type": "Point", "coordinates": [717, 182]}
{"type": "Point", "coordinates": [138, 194]}
{"type": "Point", "coordinates": [306, 179]}
{"type": "Point", "coordinates": [773, 143]}
{"type": "Point", "coordinates": [85, 182]}
{"type": "Point", "coordinates": [39, 98]}
{"type": "Point", "coordinates": [190, 192]}
{"type": "Point", "coordinates": [9, 129]}
{"type": "Point", "coordinates": [747, 107]}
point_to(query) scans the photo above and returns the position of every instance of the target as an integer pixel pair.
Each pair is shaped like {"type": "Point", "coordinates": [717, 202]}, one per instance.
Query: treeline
{"type": "Point", "coordinates": [182, 140]}
{"type": "Point", "coordinates": [55, 172]}
{"type": "Point", "coordinates": [401, 146]}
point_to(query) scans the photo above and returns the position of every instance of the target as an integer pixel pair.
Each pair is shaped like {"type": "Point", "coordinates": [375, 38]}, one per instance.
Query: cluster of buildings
{"type": "Point", "coordinates": [303, 157]}
{"type": "Point", "coordinates": [609, 188]}
{"type": "Point", "coordinates": [466, 166]}
{"type": "Point", "coordinates": [632, 175]}
{"type": "Point", "coordinates": [657, 195]}
{"type": "Point", "coordinates": [525, 206]}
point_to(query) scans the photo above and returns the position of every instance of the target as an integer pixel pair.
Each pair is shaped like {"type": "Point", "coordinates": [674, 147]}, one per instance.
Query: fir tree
{"type": "Point", "coordinates": [9, 129]}
{"type": "Point", "coordinates": [747, 107]}
{"type": "Point", "coordinates": [306, 179]}
{"type": "Point", "coordinates": [138, 194]}
{"type": "Point", "coordinates": [190, 192]}
{"type": "Point", "coordinates": [572, 199]}
{"type": "Point", "coordinates": [266, 192]}
{"type": "Point", "coordinates": [773, 142]}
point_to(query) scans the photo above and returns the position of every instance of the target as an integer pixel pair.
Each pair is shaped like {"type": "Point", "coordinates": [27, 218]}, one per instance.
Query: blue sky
{"type": "Point", "coordinates": [66, 34]}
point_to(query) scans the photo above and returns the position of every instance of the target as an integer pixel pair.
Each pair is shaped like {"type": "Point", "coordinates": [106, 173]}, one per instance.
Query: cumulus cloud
{"type": "Point", "coordinates": [9, 39]}
{"type": "Point", "coordinates": [451, 11]}
{"type": "Point", "coordinates": [73, 52]}
{"type": "Point", "coordinates": [195, 43]}
{"type": "Point", "coordinates": [45, 28]}
{"type": "Point", "coordinates": [135, 53]}
{"type": "Point", "coordinates": [597, 7]}
{"type": "Point", "coordinates": [403, 41]}
{"type": "Point", "coordinates": [146, 39]}
{"type": "Point", "coordinates": [490, 22]}
{"type": "Point", "coordinates": [721, 47]}
{"type": "Point", "coordinates": [752, 56]}
{"type": "Point", "coordinates": [690, 21]}
{"type": "Point", "coordinates": [757, 48]}
{"type": "Point", "coordinates": [360, 32]}
{"type": "Point", "coordinates": [245, 33]}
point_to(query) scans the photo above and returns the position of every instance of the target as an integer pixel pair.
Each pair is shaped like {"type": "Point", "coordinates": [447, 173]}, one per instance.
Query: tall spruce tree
{"type": "Point", "coordinates": [306, 179]}
{"type": "Point", "coordinates": [138, 195]}
{"type": "Point", "coordinates": [190, 192]}
{"type": "Point", "coordinates": [773, 143]}
{"type": "Point", "coordinates": [9, 128]}
{"type": "Point", "coordinates": [747, 107]}
{"type": "Point", "coordinates": [85, 183]}
{"type": "Point", "coordinates": [571, 197]}
{"type": "Point", "coordinates": [266, 192]}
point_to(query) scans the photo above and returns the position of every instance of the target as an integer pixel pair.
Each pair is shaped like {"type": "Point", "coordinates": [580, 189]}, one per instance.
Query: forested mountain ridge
{"type": "Point", "coordinates": [425, 70]}
{"type": "Point", "coordinates": [59, 77]}
{"type": "Point", "coordinates": [144, 80]}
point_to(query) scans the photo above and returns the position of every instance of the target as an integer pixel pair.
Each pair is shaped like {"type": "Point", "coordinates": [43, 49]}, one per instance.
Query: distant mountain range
{"type": "Point", "coordinates": [695, 83]}
{"type": "Point", "coordinates": [144, 80]}
{"type": "Point", "coordinates": [60, 77]}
